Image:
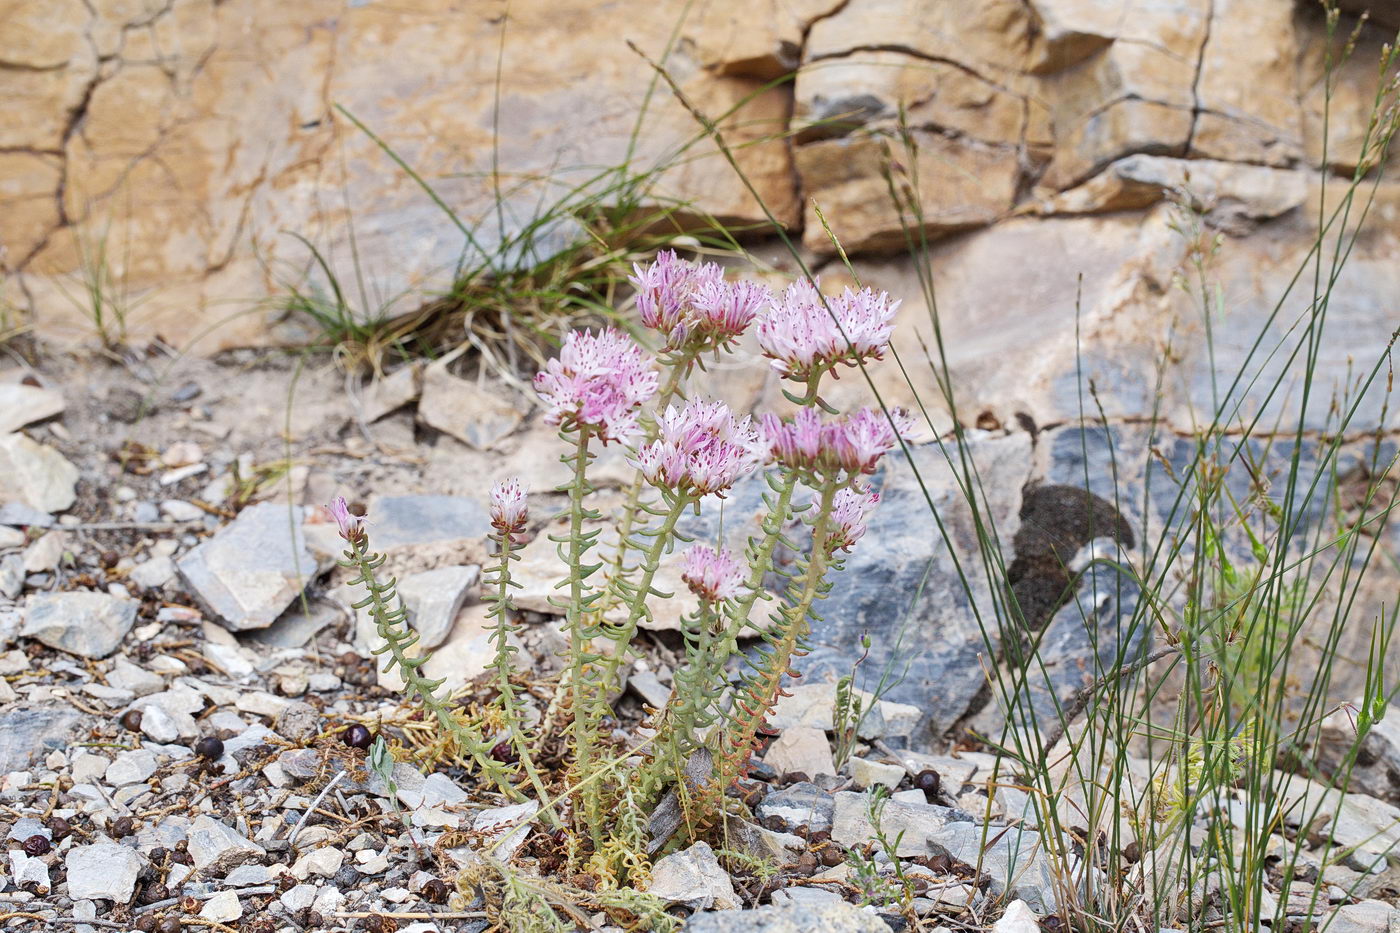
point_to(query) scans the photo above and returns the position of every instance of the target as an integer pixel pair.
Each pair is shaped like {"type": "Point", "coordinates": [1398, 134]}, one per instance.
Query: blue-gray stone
{"type": "Point", "coordinates": [398, 521]}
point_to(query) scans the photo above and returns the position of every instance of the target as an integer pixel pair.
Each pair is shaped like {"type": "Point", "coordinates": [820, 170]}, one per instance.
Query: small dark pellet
{"type": "Point", "coordinates": [357, 736]}
{"type": "Point", "coordinates": [209, 747]}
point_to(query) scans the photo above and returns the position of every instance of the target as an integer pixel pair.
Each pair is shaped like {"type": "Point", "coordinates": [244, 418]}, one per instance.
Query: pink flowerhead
{"type": "Point", "coordinates": [351, 525]}
{"type": "Point", "coordinates": [692, 304]}
{"type": "Point", "coordinates": [599, 381]}
{"type": "Point", "coordinates": [865, 435]}
{"type": "Point", "coordinates": [666, 289]}
{"type": "Point", "coordinates": [509, 511]}
{"type": "Point", "coordinates": [801, 336]}
{"type": "Point", "coordinates": [712, 575]}
{"type": "Point", "coordinates": [849, 511]}
{"type": "Point", "coordinates": [724, 310]}
{"type": "Point", "coordinates": [853, 443]}
{"type": "Point", "coordinates": [701, 448]}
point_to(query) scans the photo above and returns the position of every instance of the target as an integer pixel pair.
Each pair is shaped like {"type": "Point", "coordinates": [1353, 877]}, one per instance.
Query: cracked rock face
{"type": "Point", "coordinates": [195, 132]}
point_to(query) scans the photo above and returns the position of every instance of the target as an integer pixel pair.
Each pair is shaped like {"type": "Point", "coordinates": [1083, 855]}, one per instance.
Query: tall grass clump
{"type": "Point", "coordinates": [1176, 788]}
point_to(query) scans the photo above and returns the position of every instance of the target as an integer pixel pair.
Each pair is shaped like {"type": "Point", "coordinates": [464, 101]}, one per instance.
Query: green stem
{"type": "Point", "coordinates": [759, 562]}
{"type": "Point", "coordinates": [510, 704]}
{"type": "Point", "coordinates": [580, 653]}
{"type": "Point", "coordinates": [651, 561]}
{"type": "Point", "coordinates": [764, 692]}
{"type": "Point", "coordinates": [621, 635]}
{"type": "Point", "coordinates": [630, 507]}
{"type": "Point", "coordinates": [387, 619]}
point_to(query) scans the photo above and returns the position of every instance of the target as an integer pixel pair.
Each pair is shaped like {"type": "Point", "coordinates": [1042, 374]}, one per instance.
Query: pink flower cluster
{"type": "Point", "coordinates": [599, 381]}
{"type": "Point", "coordinates": [691, 303]}
{"type": "Point", "coordinates": [701, 448]}
{"type": "Point", "coordinates": [509, 511]}
{"type": "Point", "coordinates": [850, 510]}
{"type": "Point", "coordinates": [712, 575]}
{"type": "Point", "coordinates": [801, 336]}
{"type": "Point", "coordinates": [853, 443]}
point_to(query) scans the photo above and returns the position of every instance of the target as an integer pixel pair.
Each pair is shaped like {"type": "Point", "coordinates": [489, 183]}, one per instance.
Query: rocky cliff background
{"type": "Point", "coordinates": [186, 140]}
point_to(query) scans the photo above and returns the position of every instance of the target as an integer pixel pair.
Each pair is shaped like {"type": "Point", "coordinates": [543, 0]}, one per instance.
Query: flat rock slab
{"type": "Point", "coordinates": [914, 824]}
{"type": "Point", "coordinates": [800, 804]}
{"type": "Point", "coordinates": [478, 416]}
{"type": "Point", "coordinates": [105, 871]}
{"type": "Point", "coordinates": [21, 404]}
{"type": "Point", "coordinates": [403, 521]}
{"type": "Point", "coordinates": [433, 598]}
{"type": "Point", "coordinates": [35, 475]}
{"type": "Point", "coordinates": [30, 733]}
{"type": "Point", "coordinates": [253, 569]}
{"type": "Point", "coordinates": [693, 877]}
{"type": "Point", "coordinates": [1014, 858]}
{"type": "Point", "coordinates": [85, 623]}
{"type": "Point", "coordinates": [217, 848]}
{"type": "Point", "coordinates": [792, 918]}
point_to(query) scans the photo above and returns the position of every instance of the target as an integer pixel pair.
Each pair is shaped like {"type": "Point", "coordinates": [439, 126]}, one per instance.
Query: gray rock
{"type": "Point", "coordinates": [299, 722]}
{"type": "Point", "coordinates": [801, 749]}
{"type": "Point", "coordinates": [913, 824]}
{"type": "Point", "coordinates": [432, 599]}
{"type": "Point", "coordinates": [168, 716]}
{"type": "Point", "coordinates": [85, 623]}
{"type": "Point", "coordinates": [294, 628]}
{"type": "Point", "coordinates": [868, 773]}
{"type": "Point", "coordinates": [26, 870]}
{"type": "Point", "coordinates": [222, 907]}
{"type": "Point", "coordinates": [650, 688]}
{"type": "Point", "coordinates": [133, 767]}
{"type": "Point", "coordinates": [22, 404]}
{"type": "Point", "coordinates": [154, 573]}
{"type": "Point", "coordinates": [21, 515]}
{"type": "Point", "coordinates": [900, 584]}
{"type": "Point", "coordinates": [298, 898]}
{"type": "Point", "coordinates": [216, 848]}
{"type": "Point", "coordinates": [104, 871]}
{"type": "Point", "coordinates": [800, 804]}
{"type": "Point", "coordinates": [247, 876]}
{"type": "Point", "coordinates": [405, 521]}
{"type": "Point", "coordinates": [434, 790]}
{"type": "Point", "coordinates": [806, 896]}
{"type": "Point", "coordinates": [1377, 767]}
{"type": "Point", "coordinates": [46, 553]}
{"type": "Point", "coordinates": [159, 725]}
{"type": "Point", "coordinates": [31, 733]}
{"type": "Point", "coordinates": [1014, 858]}
{"type": "Point", "coordinates": [1090, 636]}
{"type": "Point", "coordinates": [252, 569]}
{"type": "Point", "coordinates": [478, 415]}
{"type": "Point", "coordinates": [394, 391]}
{"type": "Point", "coordinates": [178, 510]}
{"type": "Point", "coordinates": [11, 575]}
{"type": "Point", "coordinates": [793, 918]}
{"type": "Point", "coordinates": [27, 826]}
{"type": "Point", "coordinates": [35, 475]}
{"type": "Point", "coordinates": [693, 877]}
{"type": "Point", "coordinates": [501, 839]}
{"type": "Point", "coordinates": [125, 675]}
{"type": "Point", "coordinates": [1364, 917]}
